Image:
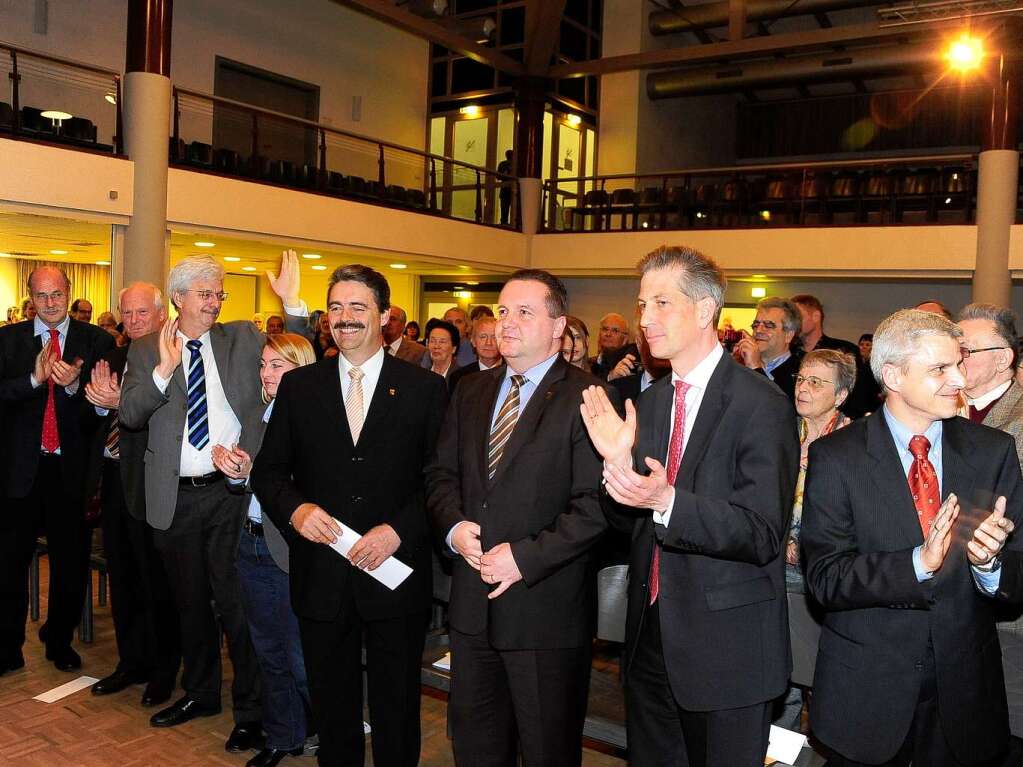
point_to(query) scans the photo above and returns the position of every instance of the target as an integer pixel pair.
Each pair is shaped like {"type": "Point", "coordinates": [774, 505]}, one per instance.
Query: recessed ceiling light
{"type": "Point", "coordinates": [463, 266]}
{"type": "Point", "coordinates": [758, 292]}
{"type": "Point", "coordinates": [231, 258]}
{"type": "Point", "coordinates": [311, 256]}
{"type": "Point", "coordinates": [102, 263]}
{"type": "Point", "coordinates": [58, 252]}
{"type": "Point", "coordinates": [111, 98]}
{"type": "Point", "coordinates": [472, 282]}
{"type": "Point", "coordinates": [6, 255]}
{"type": "Point", "coordinates": [248, 268]}
{"type": "Point", "coordinates": [399, 266]}
{"type": "Point", "coordinates": [204, 244]}
{"type": "Point", "coordinates": [319, 267]}
{"type": "Point", "coordinates": [759, 276]}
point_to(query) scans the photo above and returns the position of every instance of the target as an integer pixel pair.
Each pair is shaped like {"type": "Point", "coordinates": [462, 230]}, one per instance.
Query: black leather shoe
{"type": "Point", "coordinates": [157, 693]}
{"type": "Point", "coordinates": [11, 662]}
{"type": "Point", "coordinates": [117, 681]}
{"type": "Point", "coordinates": [183, 711]}
{"type": "Point", "coordinates": [244, 737]}
{"type": "Point", "coordinates": [271, 757]}
{"type": "Point", "coordinates": [64, 658]}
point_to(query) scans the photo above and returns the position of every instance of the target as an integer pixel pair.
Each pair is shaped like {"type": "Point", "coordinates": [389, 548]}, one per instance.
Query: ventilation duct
{"type": "Point", "coordinates": [708, 15]}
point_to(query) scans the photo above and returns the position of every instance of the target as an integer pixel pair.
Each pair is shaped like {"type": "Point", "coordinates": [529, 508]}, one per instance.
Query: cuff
{"type": "Point", "coordinates": [987, 581]}
{"type": "Point", "coordinates": [301, 310]}
{"type": "Point", "coordinates": [72, 389]}
{"type": "Point", "coordinates": [33, 382]}
{"type": "Point", "coordinates": [161, 383]}
{"type": "Point", "coordinates": [450, 535]}
{"type": "Point", "coordinates": [918, 565]}
{"type": "Point", "coordinates": [664, 517]}
{"type": "Point", "coordinates": [102, 412]}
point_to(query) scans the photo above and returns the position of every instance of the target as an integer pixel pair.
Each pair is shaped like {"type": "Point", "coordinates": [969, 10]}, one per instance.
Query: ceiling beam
{"type": "Point", "coordinates": [746, 48]}
{"type": "Point", "coordinates": [400, 18]}
{"type": "Point", "coordinates": [543, 28]}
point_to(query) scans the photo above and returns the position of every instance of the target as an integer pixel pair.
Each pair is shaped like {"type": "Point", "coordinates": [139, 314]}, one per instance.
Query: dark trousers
{"type": "Point", "coordinates": [57, 510]}
{"type": "Point", "coordinates": [504, 701]}
{"type": "Point", "coordinates": [662, 734]}
{"type": "Point", "coordinates": [198, 552]}
{"type": "Point", "coordinates": [145, 616]}
{"type": "Point", "coordinates": [333, 658]}
{"type": "Point", "coordinates": [505, 197]}
{"type": "Point", "coordinates": [274, 631]}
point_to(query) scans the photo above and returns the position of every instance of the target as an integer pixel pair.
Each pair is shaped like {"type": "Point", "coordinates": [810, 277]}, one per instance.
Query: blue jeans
{"type": "Point", "coordinates": [274, 631]}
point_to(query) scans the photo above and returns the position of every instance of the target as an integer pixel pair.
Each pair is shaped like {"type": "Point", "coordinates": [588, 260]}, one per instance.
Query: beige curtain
{"type": "Point", "coordinates": [87, 281]}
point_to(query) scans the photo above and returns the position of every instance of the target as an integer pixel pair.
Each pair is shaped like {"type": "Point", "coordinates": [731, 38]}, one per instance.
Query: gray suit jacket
{"type": "Point", "coordinates": [410, 351]}
{"type": "Point", "coordinates": [236, 347]}
{"type": "Point", "coordinates": [1007, 416]}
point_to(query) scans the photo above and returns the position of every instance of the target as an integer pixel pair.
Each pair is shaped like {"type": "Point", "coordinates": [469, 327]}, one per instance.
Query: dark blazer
{"type": "Point", "coordinates": [722, 601]}
{"type": "Point", "coordinates": [603, 369]}
{"type": "Point", "coordinates": [543, 500]}
{"type": "Point", "coordinates": [784, 376]}
{"type": "Point", "coordinates": [22, 407]}
{"type": "Point", "coordinates": [468, 370]}
{"type": "Point", "coordinates": [860, 527]}
{"type": "Point", "coordinates": [307, 456]}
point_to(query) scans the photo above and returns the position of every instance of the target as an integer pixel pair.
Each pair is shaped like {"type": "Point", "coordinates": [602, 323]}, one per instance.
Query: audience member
{"type": "Point", "coordinates": [934, 306]}
{"type": "Point", "coordinates": [81, 310]}
{"type": "Point", "coordinates": [522, 511]}
{"type": "Point", "coordinates": [989, 364]}
{"type": "Point", "coordinates": [707, 637]}
{"type": "Point", "coordinates": [507, 185]}
{"type": "Point", "coordinates": [612, 345]}
{"type": "Point", "coordinates": [323, 344]}
{"type": "Point", "coordinates": [108, 322]}
{"type": "Point", "coordinates": [649, 370]}
{"type": "Point", "coordinates": [480, 310]}
{"type": "Point", "coordinates": [575, 343]}
{"type": "Point", "coordinates": [44, 367]}
{"type": "Point", "coordinates": [263, 564]}
{"type": "Point", "coordinates": [484, 341]}
{"type": "Point", "coordinates": [465, 354]}
{"type": "Point", "coordinates": [28, 309]}
{"type": "Point", "coordinates": [770, 349]}
{"type": "Point", "coordinates": [213, 399]}
{"type": "Point", "coordinates": [327, 452]}
{"type": "Point", "coordinates": [145, 618]}
{"type": "Point", "coordinates": [908, 593]}
{"type": "Point", "coordinates": [13, 315]}
{"type": "Point", "coordinates": [865, 345]}
{"type": "Point", "coordinates": [442, 339]}
{"type": "Point", "coordinates": [397, 344]}
{"type": "Point", "coordinates": [259, 319]}
{"type": "Point", "coordinates": [412, 331]}
{"type": "Point", "coordinates": [274, 325]}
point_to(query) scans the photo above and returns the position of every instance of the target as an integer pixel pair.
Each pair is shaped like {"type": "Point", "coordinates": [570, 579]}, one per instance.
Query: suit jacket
{"type": "Point", "coordinates": [22, 406]}
{"type": "Point", "coordinates": [468, 370]}
{"type": "Point", "coordinates": [307, 456]}
{"type": "Point", "coordinates": [603, 369]}
{"type": "Point", "coordinates": [860, 527]}
{"type": "Point", "coordinates": [1007, 415]}
{"type": "Point", "coordinates": [784, 376]}
{"type": "Point", "coordinates": [410, 351]}
{"type": "Point", "coordinates": [236, 347]}
{"type": "Point", "coordinates": [274, 538]}
{"type": "Point", "coordinates": [543, 500]}
{"type": "Point", "coordinates": [865, 396]}
{"type": "Point", "coordinates": [722, 601]}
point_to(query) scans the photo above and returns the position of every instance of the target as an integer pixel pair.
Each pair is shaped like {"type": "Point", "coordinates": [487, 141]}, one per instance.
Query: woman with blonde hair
{"type": "Point", "coordinates": [262, 564]}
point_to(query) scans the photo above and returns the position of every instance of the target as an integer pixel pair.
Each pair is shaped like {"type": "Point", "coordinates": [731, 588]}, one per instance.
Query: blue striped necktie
{"type": "Point", "coordinates": [198, 425]}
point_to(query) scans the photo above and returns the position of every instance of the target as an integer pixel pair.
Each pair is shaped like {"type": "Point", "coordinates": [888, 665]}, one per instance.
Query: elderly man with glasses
{"type": "Point", "coordinates": [769, 350]}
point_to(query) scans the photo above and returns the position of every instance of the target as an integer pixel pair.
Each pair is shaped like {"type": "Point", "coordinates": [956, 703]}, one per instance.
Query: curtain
{"type": "Point", "coordinates": [87, 281]}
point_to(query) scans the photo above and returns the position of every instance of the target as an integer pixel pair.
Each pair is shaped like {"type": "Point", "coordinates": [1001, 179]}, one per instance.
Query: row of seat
{"type": "Point", "coordinates": [201, 155]}
{"type": "Point", "coordinates": [31, 123]}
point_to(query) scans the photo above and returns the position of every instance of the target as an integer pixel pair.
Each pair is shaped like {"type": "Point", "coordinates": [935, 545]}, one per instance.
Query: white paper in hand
{"type": "Point", "coordinates": [392, 572]}
{"type": "Point", "coordinates": [785, 745]}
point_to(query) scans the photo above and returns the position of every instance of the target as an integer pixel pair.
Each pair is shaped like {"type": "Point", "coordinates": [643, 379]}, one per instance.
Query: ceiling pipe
{"type": "Point", "coordinates": [693, 17]}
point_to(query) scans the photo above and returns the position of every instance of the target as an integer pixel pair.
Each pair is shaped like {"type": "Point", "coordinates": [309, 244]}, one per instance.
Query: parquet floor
{"type": "Point", "coordinates": [113, 731]}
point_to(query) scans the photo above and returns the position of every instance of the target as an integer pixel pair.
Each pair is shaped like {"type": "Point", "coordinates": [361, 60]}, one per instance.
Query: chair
{"type": "Point", "coordinates": [700, 201]}
{"type": "Point", "coordinates": [199, 154]}
{"type": "Point", "coordinates": [396, 194]}
{"type": "Point", "coordinates": [915, 194]}
{"type": "Point", "coordinates": [776, 200]}
{"type": "Point", "coordinates": [877, 202]}
{"type": "Point", "coordinates": [226, 161]}
{"type": "Point", "coordinates": [335, 182]}
{"type": "Point", "coordinates": [623, 203]}
{"type": "Point", "coordinates": [954, 196]}
{"type": "Point", "coordinates": [730, 206]}
{"type": "Point", "coordinates": [32, 121]}
{"type": "Point", "coordinates": [355, 185]}
{"type": "Point", "coordinates": [6, 116]}
{"type": "Point", "coordinates": [97, 562]}
{"type": "Point", "coordinates": [417, 198]}
{"type": "Point", "coordinates": [648, 206]}
{"type": "Point", "coordinates": [79, 129]}
{"type": "Point", "coordinates": [612, 602]}
{"type": "Point", "coordinates": [843, 198]}
{"type": "Point", "coordinates": [282, 172]}
{"type": "Point", "coordinates": [813, 197]}
{"type": "Point", "coordinates": [309, 177]}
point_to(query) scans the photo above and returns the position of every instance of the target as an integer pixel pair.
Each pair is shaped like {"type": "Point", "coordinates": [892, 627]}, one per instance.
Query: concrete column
{"type": "Point", "coordinates": [147, 108]}
{"type": "Point", "coordinates": [530, 98]}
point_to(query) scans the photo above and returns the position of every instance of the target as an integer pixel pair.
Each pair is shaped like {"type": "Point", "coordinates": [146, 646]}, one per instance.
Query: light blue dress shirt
{"type": "Point", "coordinates": [770, 366]}
{"type": "Point", "coordinates": [255, 510]}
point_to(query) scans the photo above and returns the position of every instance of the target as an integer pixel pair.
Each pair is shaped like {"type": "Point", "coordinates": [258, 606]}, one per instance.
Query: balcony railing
{"type": "Point", "coordinates": [59, 100]}
{"type": "Point", "coordinates": [881, 191]}
{"type": "Point", "coordinates": [228, 137]}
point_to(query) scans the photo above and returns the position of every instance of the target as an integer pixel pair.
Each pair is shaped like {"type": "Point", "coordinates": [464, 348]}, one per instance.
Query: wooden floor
{"type": "Point", "coordinates": [83, 730]}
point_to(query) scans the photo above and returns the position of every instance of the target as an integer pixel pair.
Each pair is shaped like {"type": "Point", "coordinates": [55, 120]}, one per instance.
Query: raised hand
{"type": "Point", "coordinates": [748, 353]}
{"type": "Point", "coordinates": [990, 536]}
{"type": "Point", "coordinates": [939, 539]}
{"type": "Point", "coordinates": [66, 373]}
{"type": "Point", "coordinates": [103, 390]}
{"type": "Point", "coordinates": [286, 286]}
{"type": "Point", "coordinates": [612, 436]}
{"type": "Point", "coordinates": [170, 350]}
{"type": "Point", "coordinates": [43, 365]}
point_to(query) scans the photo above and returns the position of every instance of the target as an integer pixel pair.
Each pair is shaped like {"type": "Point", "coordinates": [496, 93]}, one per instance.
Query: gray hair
{"type": "Point", "coordinates": [157, 293]}
{"type": "Point", "coordinates": [842, 363]}
{"type": "Point", "coordinates": [191, 269]}
{"type": "Point", "coordinates": [701, 277]}
{"type": "Point", "coordinates": [897, 337]}
{"type": "Point", "coordinates": [1002, 317]}
{"type": "Point", "coordinates": [792, 322]}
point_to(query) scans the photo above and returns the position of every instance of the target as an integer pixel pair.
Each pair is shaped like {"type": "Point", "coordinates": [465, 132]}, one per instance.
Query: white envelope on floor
{"type": "Point", "coordinates": [392, 572]}
{"type": "Point", "coordinates": [785, 745]}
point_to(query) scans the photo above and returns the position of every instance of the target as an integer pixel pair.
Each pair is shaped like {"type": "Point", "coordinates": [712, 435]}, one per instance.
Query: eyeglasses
{"type": "Point", "coordinates": [206, 295]}
{"type": "Point", "coordinates": [766, 324]}
{"type": "Point", "coordinates": [966, 352]}
{"type": "Point", "coordinates": [813, 382]}
{"type": "Point", "coordinates": [56, 297]}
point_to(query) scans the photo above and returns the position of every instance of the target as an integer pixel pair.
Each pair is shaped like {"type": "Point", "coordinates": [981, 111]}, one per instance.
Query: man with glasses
{"type": "Point", "coordinates": [769, 349]}
{"type": "Point", "coordinates": [613, 348]}
{"type": "Point", "coordinates": [44, 366]}
{"type": "Point", "coordinates": [193, 384]}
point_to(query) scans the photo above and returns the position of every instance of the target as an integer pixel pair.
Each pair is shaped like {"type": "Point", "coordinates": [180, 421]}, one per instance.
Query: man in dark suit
{"type": "Point", "coordinates": [650, 369]}
{"type": "Point", "coordinates": [770, 349]}
{"type": "Point", "coordinates": [394, 338]}
{"type": "Point", "coordinates": [44, 447]}
{"type": "Point", "coordinates": [193, 385]}
{"type": "Point", "coordinates": [909, 667]}
{"type": "Point", "coordinates": [709, 467]}
{"type": "Point", "coordinates": [145, 617]}
{"type": "Point", "coordinates": [514, 491]}
{"type": "Point", "coordinates": [484, 341]}
{"type": "Point", "coordinates": [337, 428]}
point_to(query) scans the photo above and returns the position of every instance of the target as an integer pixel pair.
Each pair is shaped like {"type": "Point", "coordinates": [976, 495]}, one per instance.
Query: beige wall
{"type": "Point", "coordinates": [10, 293]}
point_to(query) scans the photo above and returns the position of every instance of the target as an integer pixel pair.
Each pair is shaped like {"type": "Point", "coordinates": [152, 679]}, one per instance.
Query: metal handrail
{"type": "Point", "coordinates": [59, 60]}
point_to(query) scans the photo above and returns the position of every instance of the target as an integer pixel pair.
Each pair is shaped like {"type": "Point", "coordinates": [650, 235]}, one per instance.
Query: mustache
{"type": "Point", "coordinates": [348, 326]}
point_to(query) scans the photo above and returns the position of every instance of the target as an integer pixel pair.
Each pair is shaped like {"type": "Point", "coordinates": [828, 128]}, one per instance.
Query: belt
{"type": "Point", "coordinates": [252, 527]}
{"type": "Point", "coordinates": [201, 481]}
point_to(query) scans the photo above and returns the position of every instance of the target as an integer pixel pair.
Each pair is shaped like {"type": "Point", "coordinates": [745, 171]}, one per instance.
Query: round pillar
{"type": "Point", "coordinates": [530, 98]}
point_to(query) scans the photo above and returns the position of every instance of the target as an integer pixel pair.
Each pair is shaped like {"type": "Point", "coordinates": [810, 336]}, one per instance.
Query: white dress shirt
{"type": "Point", "coordinates": [698, 378]}
{"type": "Point", "coordinates": [370, 375]}
{"type": "Point", "coordinates": [224, 426]}
{"type": "Point", "coordinates": [984, 400]}
{"type": "Point", "coordinates": [395, 344]}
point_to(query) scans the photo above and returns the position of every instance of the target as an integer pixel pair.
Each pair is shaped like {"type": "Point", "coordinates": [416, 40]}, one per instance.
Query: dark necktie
{"type": "Point", "coordinates": [675, 450]}
{"type": "Point", "coordinates": [923, 483]}
{"type": "Point", "coordinates": [51, 437]}
{"type": "Point", "coordinates": [198, 423]}
{"type": "Point", "coordinates": [504, 425]}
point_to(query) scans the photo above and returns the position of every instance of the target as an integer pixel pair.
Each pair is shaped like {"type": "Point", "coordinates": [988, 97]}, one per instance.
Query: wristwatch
{"type": "Point", "coordinates": [992, 564]}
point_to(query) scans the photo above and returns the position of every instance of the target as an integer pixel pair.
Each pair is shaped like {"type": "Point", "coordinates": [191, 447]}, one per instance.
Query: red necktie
{"type": "Point", "coordinates": [675, 450]}
{"type": "Point", "coordinates": [923, 483]}
{"type": "Point", "coordinates": [51, 439]}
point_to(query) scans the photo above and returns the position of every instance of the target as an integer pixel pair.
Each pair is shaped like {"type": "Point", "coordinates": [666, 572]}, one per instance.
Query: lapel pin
{"type": "Point", "coordinates": [549, 394]}
{"type": "Point", "coordinates": [391, 392]}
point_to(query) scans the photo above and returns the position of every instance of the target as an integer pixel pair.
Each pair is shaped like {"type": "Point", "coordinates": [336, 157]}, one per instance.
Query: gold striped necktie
{"type": "Point", "coordinates": [504, 424]}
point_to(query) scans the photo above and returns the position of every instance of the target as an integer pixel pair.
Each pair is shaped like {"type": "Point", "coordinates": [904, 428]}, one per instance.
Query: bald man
{"type": "Point", "coordinates": [395, 342]}
{"type": "Point", "coordinates": [612, 345]}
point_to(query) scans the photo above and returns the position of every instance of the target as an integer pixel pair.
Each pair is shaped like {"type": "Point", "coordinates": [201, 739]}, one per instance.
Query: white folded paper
{"type": "Point", "coordinates": [444, 663]}
{"type": "Point", "coordinates": [392, 572]}
{"type": "Point", "coordinates": [785, 745]}
{"type": "Point", "coordinates": [68, 688]}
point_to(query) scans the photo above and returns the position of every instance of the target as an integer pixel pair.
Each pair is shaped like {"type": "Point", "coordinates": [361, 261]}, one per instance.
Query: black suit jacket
{"type": "Point", "coordinates": [307, 456]}
{"type": "Point", "coordinates": [23, 407]}
{"type": "Point", "coordinates": [784, 376]}
{"type": "Point", "coordinates": [462, 372]}
{"type": "Point", "coordinates": [543, 500]}
{"type": "Point", "coordinates": [722, 602]}
{"type": "Point", "coordinates": [859, 530]}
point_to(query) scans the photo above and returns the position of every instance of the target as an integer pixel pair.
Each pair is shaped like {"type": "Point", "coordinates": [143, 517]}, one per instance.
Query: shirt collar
{"type": "Point", "coordinates": [370, 367]}
{"type": "Point", "coordinates": [536, 373]}
{"type": "Point", "coordinates": [395, 344]}
{"type": "Point", "coordinates": [40, 328]}
{"type": "Point", "coordinates": [700, 375]}
{"type": "Point", "coordinates": [484, 367]}
{"type": "Point", "coordinates": [770, 366]}
{"type": "Point", "coordinates": [984, 400]}
{"type": "Point", "coordinates": [268, 411]}
{"type": "Point", "coordinates": [204, 339]}
{"type": "Point", "coordinates": [903, 435]}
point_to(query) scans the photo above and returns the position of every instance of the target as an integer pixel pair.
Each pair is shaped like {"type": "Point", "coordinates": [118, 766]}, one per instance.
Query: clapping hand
{"type": "Point", "coordinates": [43, 365]}
{"type": "Point", "coordinates": [939, 539]}
{"type": "Point", "coordinates": [466, 541]}
{"type": "Point", "coordinates": [103, 390]}
{"type": "Point", "coordinates": [990, 536]}
{"type": "Point", "coordinates": [170, 350]}
{"type": "Point", "coordinates": [612, 436]}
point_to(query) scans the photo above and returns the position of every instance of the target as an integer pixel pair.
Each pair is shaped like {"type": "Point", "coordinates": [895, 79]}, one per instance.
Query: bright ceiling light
{"type": "Point", "coordinates": [204, 244]}
{"type": "Point", "coordinates": [759, 276]}
{"type": "Point", "coordinates": [470, 111]}
{"type": "Point", "coordinates": [111, 98]}
{"type": "Point", "coordinates": [399, 266]}
{"type": "Point", "coordinates": [462, 294]}
{"type": "Point", "coordinates": [965, 54]}
{"type": "Point", "coordinates": [231, 258]}
{"type": "Point", "coordinates": [248, 268]}
{"type": "Point", "coordinates": [102, 263]}
{"type": "Point", "coordinates": [319, 267]}
{"type": "Point", "coordinates": [58, 252]}
{"type": "Point", "coordinates": [312, 256]}
{"type": "Point", "coordinates": [574, 120]}
{"type": "Point", "coordinates": [758, 292]}
{"type": "Point", "coordinates": [6, 255]}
